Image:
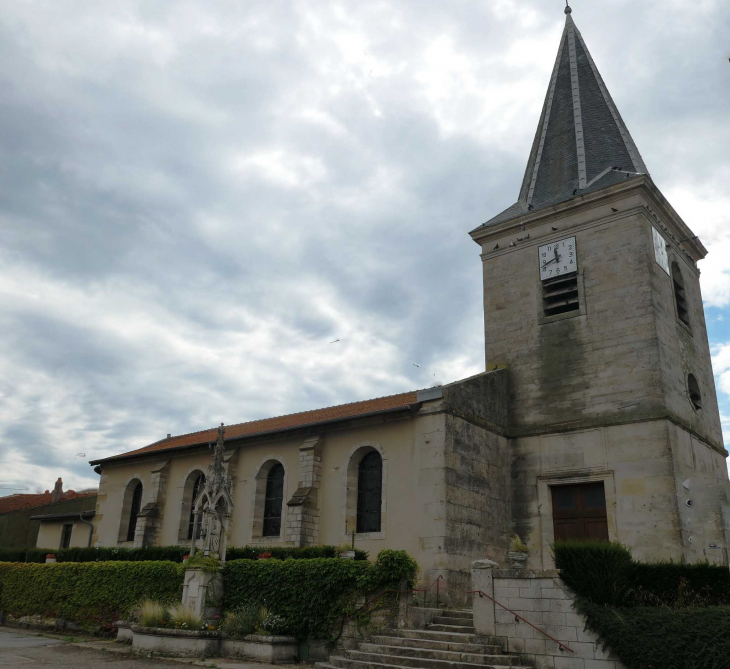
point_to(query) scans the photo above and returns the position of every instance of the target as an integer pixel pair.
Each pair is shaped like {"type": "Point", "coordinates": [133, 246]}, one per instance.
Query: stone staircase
{"type": "Point", "coordinates": [449, 642]}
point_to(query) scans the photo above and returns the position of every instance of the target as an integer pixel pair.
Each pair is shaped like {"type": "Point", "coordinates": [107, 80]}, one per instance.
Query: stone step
{"type": "Point", "coordinates": [437, 645]}
{"type": "Point", "coordinates": [375, 659]}
{"type": "Point", "coordinates": [459, 629]}
{"type": "Point", "coordinates": [434, 635]}
{"type": "Point", "coordinates": [459, 613]}
{"type": "Point", "coordinates": [449, 620]}
{"type": "Point", "coordinates": [428, 654]}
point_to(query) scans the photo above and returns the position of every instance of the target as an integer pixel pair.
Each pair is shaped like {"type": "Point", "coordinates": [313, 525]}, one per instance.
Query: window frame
{"type": "Point", "coordinates": [361, 513]}
{"type": "Point", "coordinates": [275, 476]}
{"type": "Point", "coordinates": [66, 538]}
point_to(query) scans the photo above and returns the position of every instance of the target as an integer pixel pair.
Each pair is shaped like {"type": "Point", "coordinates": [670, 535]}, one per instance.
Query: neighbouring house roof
{"type": "Point", "coordinates": [23, 501]}
{"type": "Point", "coordinates": [379, 405]}
{"type": "Point", "coordinates": [582, 144]}
{"type": "Point", "coordinates": [64, 516]}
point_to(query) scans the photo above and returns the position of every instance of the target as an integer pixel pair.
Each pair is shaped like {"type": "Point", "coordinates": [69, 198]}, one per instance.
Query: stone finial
{"type": "Point", "coordinates": [57, 490]}
{"type": "Point", "coordinates": [568, 10]}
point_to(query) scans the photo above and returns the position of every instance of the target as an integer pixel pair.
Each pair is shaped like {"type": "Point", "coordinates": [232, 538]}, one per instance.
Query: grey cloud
{"type": "Point", "coordinates": [208, 287]}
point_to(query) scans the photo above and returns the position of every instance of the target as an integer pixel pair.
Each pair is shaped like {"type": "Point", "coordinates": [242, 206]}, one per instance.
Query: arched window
{"type": "Point", "coordinates": [680, 296]}
{"type": "Point", "coordinates": [695, 396]}
{"type": "Point", "coordinates": [273, 501]}
{"type": "Point", "coordinates": [134, 511]}
{"type": "Point", "coordinates": [369, 492]}
{"type": "Point", "coordinates": [197, 487]}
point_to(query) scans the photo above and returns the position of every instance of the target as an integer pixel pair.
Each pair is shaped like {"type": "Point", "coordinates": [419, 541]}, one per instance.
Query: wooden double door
{"type": "Point", "coordinates": [579, 511]}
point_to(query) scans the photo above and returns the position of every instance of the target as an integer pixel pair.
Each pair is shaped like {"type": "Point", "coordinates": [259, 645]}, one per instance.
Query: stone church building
{"type": "Point", "coordinates": [596, 415]}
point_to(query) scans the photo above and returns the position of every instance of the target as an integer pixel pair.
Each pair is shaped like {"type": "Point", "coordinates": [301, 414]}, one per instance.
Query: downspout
{"type": "Point", "coordinates": [91, 526]}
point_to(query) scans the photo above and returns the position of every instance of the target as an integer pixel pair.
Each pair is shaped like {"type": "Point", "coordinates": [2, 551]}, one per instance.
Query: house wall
{"type": "Point", "coordinates": [17, 530]}
{"type": "Point", "coordinates": [49, 534]}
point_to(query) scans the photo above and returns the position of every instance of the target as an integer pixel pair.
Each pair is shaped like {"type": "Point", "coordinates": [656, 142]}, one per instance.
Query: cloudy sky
{"type": "Point", "coordinates": [197, 197]}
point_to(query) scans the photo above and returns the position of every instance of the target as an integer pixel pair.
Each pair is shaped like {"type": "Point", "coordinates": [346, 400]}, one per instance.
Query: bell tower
{"type": "Point", "coordinates": [592, 302]}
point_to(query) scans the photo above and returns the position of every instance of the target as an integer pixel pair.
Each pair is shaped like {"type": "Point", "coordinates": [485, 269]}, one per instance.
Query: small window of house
{"type": "Point", "coordinates": [680, 296]}
{"type": "Point", "coordinates": [66, 535]}
{"type": "Point", "coordinates": [693, 388]}
{"type": "Point", "coordinates": [273, 501]}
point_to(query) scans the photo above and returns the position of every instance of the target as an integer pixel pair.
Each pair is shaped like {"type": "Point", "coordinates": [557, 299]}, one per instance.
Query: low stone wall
{"type": "Point", "coordinates": [175, 642]}
{"type": "Point", "coordinates": [541, 598]}
{"type": "Point", "coordinates": [191, 643]}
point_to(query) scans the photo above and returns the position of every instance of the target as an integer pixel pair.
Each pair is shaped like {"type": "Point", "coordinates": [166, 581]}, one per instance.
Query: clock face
{"type": "Point", "coordinates": [558, 258]}
{"type": "Point", "coordinates": [660, 250]}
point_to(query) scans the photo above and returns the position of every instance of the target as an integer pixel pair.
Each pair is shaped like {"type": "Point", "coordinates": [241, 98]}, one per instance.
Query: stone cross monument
{"type": "Point", "coordinates": [213, 506]}
{"type": "Point", "coordinates": [203, 589]}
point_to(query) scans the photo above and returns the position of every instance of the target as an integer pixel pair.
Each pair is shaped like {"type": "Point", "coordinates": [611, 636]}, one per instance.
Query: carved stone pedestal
{"type": "Point", "coordinates": [203, 592]}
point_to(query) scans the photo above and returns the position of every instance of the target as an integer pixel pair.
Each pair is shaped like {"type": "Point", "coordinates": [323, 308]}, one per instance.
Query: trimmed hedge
{"type": "Point", "coordinates": [643, 637]}
{"type": "Point", "coordinates": [284, 553]}
{"type": "Point", "coordinates": [605, 573]}
{"type": "Point", "coordinates": [172, 553]}
{"type": "Point", "coordinates": [12, 554]}
{"type": "Point", "coordinates": [597, 570]}
{"type": "Point", "coordinates": [95, 594]}
{"type": "Point", "coordinates": [313, 596]}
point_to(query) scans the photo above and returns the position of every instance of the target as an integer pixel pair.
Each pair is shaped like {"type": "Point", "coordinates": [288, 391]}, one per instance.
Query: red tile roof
{"type": "Point", "coordinates": [23, 501]}
{"type": "Point", "coordinates": [280, 423]}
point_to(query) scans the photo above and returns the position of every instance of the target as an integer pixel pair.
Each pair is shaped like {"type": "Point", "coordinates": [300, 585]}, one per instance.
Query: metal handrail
{"type": "Point", "coordinates": [517, 615]}
{"type": "Point", "coordinates": [437, 583]}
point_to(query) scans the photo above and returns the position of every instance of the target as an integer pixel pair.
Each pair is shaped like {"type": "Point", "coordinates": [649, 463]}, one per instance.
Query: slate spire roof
{"type": "Point", "coordinates": [581, 143]}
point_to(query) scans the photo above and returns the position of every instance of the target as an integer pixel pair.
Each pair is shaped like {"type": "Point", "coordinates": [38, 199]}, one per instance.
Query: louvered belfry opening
{"type": "Point", "coordinates": [369, 492]}
{"type": "Point", "coordinates": [273, 501]}
{"type": "Point", "coordinates": [560, 295]}
{"type": "Point", "coordinates": [680, 296]}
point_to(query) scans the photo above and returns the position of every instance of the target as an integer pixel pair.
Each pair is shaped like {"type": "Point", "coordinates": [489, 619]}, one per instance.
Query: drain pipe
{"type": "Point", "coordinates": [91, 526]}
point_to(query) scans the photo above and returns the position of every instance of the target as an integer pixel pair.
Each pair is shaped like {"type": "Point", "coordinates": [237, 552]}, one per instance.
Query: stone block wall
{"type": "Point", "coordinates": [541, 598]}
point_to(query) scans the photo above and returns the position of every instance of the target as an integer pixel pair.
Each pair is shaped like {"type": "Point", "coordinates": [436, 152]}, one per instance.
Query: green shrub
{"type": "Point", "coordinates": [597, 570]}
{"type": "Point", "coordinates": [644, 637]}
{"type": "Point", "coordinates": [183, 617]}
{"type": "Point", "coordinates": [284, 553]}
{"type": "Point", "coordinates": [151, 614]}
{"type": "Point", "coordinates": [390, 568]}
{"type": "Point", "coordinates": [12, 554]}
{"type": "Point", "coordinates": [242, 620]}
{"type": "Point", "coordinates": [311, 596]}
{"type": "Point", "coordinates": [97, 593]}
{"type": "Point", "coordinates": [604, 573]}
{"type": "Point", "coordinates": [680, 585]}
{"type": "Point", "coordinates": [102, 554]}
{"type": "Point", "coordinates": [38, 555]}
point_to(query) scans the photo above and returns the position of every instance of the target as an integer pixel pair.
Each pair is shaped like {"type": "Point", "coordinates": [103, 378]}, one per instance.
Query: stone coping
{"type": "Point", "coordinates": [162, 631]}
{"type": "Point", "coordinates": [207, 634]}
{"type": "Point", "coordinates": [125, 624]}
{"type": "Point", "coordinates": [260, 638]}
{"type": "Point", "coordinates": [526, 573]}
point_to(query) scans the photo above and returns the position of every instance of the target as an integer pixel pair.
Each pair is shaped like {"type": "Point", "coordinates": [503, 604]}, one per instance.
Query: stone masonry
{"type": "Point", "coordinates": [541, 598]}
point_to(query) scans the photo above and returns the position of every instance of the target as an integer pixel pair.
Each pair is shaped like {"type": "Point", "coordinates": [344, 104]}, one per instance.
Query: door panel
{"type": "Point", "coordinates": [579, 511]}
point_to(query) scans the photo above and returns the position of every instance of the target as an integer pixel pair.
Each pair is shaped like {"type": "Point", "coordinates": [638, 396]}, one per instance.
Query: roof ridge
{"type": "Point", "coordinates": [284, 415]}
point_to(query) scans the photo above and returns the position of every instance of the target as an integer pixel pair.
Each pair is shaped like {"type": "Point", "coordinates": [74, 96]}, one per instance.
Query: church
{"type": "Point", "coordinates": [596, 415]}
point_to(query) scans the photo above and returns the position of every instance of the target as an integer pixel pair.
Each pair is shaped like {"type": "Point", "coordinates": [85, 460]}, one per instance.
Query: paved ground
{"type": "Point", "coordinates": [24, 648]}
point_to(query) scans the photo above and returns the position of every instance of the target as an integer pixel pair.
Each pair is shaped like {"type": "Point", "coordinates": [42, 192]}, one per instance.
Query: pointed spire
{"type": "Point", "coordinates": [581, 143]}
